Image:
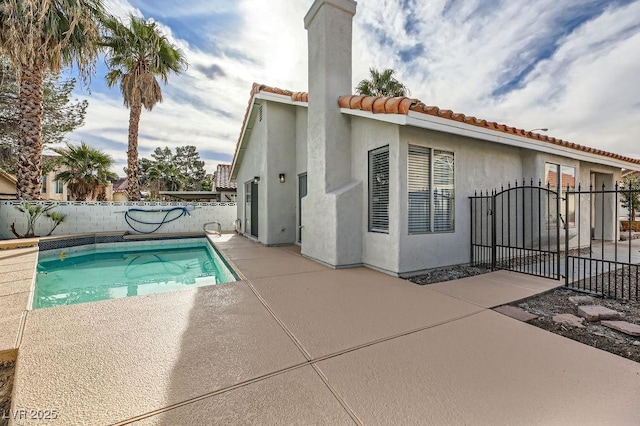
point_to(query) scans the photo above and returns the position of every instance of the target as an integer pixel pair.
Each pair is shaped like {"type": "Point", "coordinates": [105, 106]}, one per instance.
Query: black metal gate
{"type": "Point", "coordinates": [518, 229]}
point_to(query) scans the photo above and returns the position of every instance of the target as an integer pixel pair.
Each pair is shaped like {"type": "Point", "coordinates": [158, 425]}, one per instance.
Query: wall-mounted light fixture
{"type": "Point", "coordinates": [281, 177]}
{"type": "Point", "coordinates": [256, 179]}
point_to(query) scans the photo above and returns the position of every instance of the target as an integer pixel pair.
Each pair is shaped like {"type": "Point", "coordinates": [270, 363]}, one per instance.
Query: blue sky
{"type": "Point", "coordinates": [571, 66]}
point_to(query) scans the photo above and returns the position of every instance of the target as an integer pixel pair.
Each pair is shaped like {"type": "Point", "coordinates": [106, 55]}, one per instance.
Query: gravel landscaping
{"type": "Point", "coordinates": [6, 383]}
{"type": "Point", "coordinates": [556, 302]}
{"type": "Point", "coordinates": [450, 273]}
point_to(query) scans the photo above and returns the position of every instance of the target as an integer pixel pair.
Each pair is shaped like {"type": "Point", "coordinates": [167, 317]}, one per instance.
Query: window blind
{"type": "Point", "coordinates": [379, 190]}
{"type": "Point", "coordinates": [431, 190]}
{"type": "Point", "coordinates": [419, 184]}
{"type": "Point", "coordinates": [443, 191]}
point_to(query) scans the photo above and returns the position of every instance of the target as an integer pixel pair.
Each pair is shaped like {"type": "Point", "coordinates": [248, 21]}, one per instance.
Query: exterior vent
{"type": "Point", "coordinates": [260, 113]}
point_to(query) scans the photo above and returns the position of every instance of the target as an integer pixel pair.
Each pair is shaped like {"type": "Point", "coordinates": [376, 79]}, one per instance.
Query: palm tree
{"type": "Point", "coordinates": [381, 84]}
{"type": "Point", "coordinates": [39, 36]}
{"type": "Point", "coordinates": [139, 53]}
{"type": "Point", "coordinates": [85, 170]}
{"type": "Point", "coordinates": [167, 176]}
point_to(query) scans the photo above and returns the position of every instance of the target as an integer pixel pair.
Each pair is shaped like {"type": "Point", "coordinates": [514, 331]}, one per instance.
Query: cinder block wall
{"type": "Point", "coordinates": [90, 217]}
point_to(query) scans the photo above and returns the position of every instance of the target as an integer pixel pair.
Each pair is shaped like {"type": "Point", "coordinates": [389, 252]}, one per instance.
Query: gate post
{"type": "Point", "coordinates": [493, 229]}
{"type": "Point", "coordinates": [558, 222]}
{"type": "Point", "coordinates": [566, 239]}
{"type": "Point", "coordinates": [471, 233]}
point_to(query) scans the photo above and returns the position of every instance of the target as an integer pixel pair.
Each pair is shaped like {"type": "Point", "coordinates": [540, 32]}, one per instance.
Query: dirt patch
{"type": "Point", "coordinates": [449, 273]}
{"type": "Point", "coordinates": [594, 334]}
{"type": "Point", "coordinates": [6, 384]}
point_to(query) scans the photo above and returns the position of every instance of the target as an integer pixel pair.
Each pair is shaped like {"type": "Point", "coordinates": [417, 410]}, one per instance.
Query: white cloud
{"type": "Point", "coordinates": [585, 87]}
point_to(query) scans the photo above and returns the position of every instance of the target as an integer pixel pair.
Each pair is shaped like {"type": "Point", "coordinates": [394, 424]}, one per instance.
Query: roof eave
{"type": "Point", "coordinates": [246, 130]}
{"type": "Point", "coordinates": [464, 129]}
{"type": "Point", "coordinates": [444, 125]}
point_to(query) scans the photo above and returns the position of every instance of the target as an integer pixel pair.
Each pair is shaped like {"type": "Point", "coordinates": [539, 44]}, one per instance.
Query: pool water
{"type": "Point", "coordinates": [126, 269]}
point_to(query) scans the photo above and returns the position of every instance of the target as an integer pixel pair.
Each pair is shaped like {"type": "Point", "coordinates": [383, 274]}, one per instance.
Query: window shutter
{"type": "Point", "coordinates": [379, 190]}
{"type": "Point", "coordinates": [419, 184]}
{"type": "Point", "coordinates": [443, 191]}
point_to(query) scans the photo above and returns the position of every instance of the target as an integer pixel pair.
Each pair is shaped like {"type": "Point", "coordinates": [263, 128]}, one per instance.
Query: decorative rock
{"type": "Point", "coordinates": [581, 300]}
{"type": "Point", "coordinates": [568, 319]}
{"type": "Point", "coordinates": [596, 313]}
{"type": "Point", "coordinates": [623, 327]}
{"type": "Point", "coordinates": [515, 313]}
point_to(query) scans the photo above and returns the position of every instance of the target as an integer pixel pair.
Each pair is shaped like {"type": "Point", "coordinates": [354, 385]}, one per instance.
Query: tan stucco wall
{"type": "Point", "coordinates": [7, 186]}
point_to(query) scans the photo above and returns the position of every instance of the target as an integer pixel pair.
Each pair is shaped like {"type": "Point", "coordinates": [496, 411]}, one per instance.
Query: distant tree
{"type": "Point", "coordinates": [187, 159]}
{"type": "Point", "coordinates": [138, 53]}
{"type": "Point", "coordinates": [61, 114]}
{"type": "Point", "coordinates": [162, 155]}
{"type": "Point", "coordinates": [207, 182]}
{"type": "Point", "coordinates": [381, 84]}
{"type": "Point", "coordinates": [166, 170]}
{"type": "Point", "coordinates": [630, 194]}
{"type": "Point", "coordinates": [85, 170]}
{"type": "Point", "coordinates": [39, 36]}
{"type": "Point", "coordinates": [165, 176]}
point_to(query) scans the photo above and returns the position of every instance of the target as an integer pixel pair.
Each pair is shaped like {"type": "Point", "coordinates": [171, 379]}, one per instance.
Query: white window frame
{"type": "Point", "coordinates": [562, 190]}
{"type": "Point", "coordinates": [58, 185]}
{"type": "Point", "coordinates": [431, 192]}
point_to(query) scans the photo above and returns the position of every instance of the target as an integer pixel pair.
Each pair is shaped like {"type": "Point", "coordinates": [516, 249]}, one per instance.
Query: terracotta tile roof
{"type": "Point", "coordinates": [222, 182]}
{"type": "Point", "coordinates": [402, 105]}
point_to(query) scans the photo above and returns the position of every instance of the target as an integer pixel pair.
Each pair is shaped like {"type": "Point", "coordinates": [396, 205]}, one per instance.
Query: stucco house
{"type": "Point", "coordinates": [7, 186]}
{"type": "Point", "coordinates": [382, 182]}
{"type": "Point", "coordinates": [51, 188]}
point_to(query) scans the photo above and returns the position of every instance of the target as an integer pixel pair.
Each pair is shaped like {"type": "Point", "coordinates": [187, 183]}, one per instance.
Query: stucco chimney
{"type": "Point", "coordinates": [331, 211]}
{"type": "Point", "coordinates": [329, 24]}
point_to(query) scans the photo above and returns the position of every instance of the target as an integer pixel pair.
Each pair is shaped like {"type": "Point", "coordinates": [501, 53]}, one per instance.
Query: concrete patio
{"type": "Point", "coordinates": [298, 343]}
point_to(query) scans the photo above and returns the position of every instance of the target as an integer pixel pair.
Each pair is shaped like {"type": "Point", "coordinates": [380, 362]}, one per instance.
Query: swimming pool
{"type": "Point", "coordinates": [115, 270]}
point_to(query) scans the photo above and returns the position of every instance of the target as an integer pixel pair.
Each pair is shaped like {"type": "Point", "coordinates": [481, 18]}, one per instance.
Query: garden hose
{"type": "Point", "coordinates": [183, 211]}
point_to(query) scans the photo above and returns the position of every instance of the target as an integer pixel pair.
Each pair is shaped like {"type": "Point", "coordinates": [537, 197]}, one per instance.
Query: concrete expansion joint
{"type": "Point", "coordinates": [280, 322]}
{"type": "Point", "coordinates": [337, 395]}
{"type": "Point", "coordinates": [23, 323]}
{"type": "Point", "coordinates": [310, 362]}
{"type": "Point", "coordinates": [210, 394]}
{"type": "Point", "coordinates": [395, 336]}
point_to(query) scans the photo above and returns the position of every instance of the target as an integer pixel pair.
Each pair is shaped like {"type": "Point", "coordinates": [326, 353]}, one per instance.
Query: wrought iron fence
{"type": "Point", "coordinates": [606, 257]}
{"type": "Point", "coordinates": [583, 236]}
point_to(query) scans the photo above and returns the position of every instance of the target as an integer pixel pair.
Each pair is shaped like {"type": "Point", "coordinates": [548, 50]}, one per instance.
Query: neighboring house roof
{"type": "Point", "coordinates": [190, 195]}
{"type": "Point", "coordinates": [11, 178]}
{"type": "Point", "coordinates": [222, 182]}
{"type": "Point", "coordinates": [405, 106]}
{"type": "Point", "coordinates": [120, 185]}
